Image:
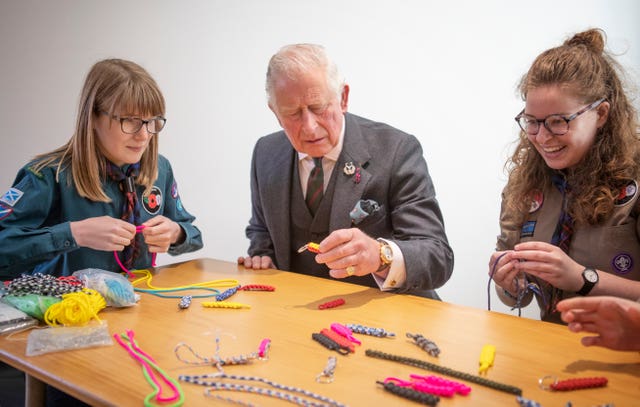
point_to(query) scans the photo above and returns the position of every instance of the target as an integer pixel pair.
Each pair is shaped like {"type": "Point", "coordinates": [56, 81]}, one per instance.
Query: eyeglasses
{"type": "Point", "coordinates": [555, 123]}
{"type": "Point", "coordinates": [132, 125]}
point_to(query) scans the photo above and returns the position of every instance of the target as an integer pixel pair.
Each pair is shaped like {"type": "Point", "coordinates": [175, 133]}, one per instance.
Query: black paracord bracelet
{"type": "Point", "coordinates": [445, 371]}
{"type": "Point", "coordinates": [410, 394]}
{"type": "Point", "coordinates": [329, 343]}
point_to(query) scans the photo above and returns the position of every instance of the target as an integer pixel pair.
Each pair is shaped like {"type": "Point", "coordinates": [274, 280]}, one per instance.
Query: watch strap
{"type": "Point", "coordinates": [384, 264]}
{"type": "Point", "coordinates": [588, 285]}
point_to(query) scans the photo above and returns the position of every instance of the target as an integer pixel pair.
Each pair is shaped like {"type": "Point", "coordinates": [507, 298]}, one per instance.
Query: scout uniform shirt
{"type": "Point", "coordinates": [35, 235]}
{"type": "Point", "coordinates": [613, 246]}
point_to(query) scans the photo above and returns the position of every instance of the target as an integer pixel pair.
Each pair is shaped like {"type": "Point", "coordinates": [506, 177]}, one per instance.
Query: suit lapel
{"type": "Point", "coordinates": [347, 192]}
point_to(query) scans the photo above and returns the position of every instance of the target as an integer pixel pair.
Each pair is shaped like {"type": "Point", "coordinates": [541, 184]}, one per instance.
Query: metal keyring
{"type": "Point", "coordinates": [547, 387]}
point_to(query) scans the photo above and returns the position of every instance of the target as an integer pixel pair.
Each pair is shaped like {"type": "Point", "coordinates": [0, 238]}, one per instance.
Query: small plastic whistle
{"type": "Point", "coordinates": [487, 355]}
{"type": "Point", "coordinates": [344, 331]}
{"type": "Point", "coordinates": [312, 247]}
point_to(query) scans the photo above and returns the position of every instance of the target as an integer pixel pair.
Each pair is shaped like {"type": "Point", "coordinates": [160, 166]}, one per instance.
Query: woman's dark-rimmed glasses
{"type": "Point", "coordinates": [132, 125]}
{"type": "Point", "coordinates": [557, 124]}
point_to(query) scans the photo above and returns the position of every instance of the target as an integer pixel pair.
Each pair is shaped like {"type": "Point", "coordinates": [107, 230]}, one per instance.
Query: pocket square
{"type": "Point", "coordinates": [362, 209]}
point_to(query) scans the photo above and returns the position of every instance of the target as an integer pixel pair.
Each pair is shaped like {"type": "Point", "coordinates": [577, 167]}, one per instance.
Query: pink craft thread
{"type": "Point", "coordinates": [129, 273]}
{"type": "Point", "coordinates": [147, 368]}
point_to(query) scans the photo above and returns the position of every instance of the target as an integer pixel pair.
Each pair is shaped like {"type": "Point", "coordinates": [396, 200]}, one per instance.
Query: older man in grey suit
{"type": "Point", "coordinates": [359, 188]}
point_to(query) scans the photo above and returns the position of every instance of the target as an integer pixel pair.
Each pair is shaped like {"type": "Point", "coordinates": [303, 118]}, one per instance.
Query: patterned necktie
{"type": "Point", "coordinates": [315, 186]}
{"type": "Point", "coordinates": [131, 206]}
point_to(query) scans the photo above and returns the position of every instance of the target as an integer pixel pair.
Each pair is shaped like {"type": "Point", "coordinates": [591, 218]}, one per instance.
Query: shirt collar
{"type": "Point", "coordinates": [335, 152]}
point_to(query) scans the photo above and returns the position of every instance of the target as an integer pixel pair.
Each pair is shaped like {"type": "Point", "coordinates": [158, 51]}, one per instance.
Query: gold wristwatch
{"type": "Point", "coordinates": [386, 255]}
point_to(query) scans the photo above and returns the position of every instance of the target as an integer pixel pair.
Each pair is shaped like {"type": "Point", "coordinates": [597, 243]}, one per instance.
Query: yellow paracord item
{"type": "Point", "coordinates": [224, 304]}
{"type": "Point", "coordinates": [75, 309]}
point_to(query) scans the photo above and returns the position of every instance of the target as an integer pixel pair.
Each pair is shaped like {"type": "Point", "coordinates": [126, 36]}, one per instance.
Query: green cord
{"type": "Point", "coordinates": [156, 389]}
{"type": "Point", "coordinates": [157, 292]}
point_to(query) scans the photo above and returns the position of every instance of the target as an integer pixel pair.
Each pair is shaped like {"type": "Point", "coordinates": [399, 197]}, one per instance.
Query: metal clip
{"type": "Point", "coordinates": [327, 374]}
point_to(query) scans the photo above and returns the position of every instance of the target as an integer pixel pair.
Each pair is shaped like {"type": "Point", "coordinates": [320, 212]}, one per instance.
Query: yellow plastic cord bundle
{"type": "Point", "coordinates": [75, 309]}
{"type": "Point", "coordinates": [146, 278]}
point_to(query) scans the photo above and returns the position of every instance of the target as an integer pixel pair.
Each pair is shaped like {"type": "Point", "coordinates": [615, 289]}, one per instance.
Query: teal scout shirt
{"type": "Point", "coordinates": [35, 235]}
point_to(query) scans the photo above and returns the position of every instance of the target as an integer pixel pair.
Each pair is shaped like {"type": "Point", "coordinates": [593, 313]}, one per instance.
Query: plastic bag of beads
{"type": "Point", "coordinates": [41, 341]}
{"type": "Point", "coordinates": [114, 287]}
{"type": "Point", "coordinates": [31, 304]}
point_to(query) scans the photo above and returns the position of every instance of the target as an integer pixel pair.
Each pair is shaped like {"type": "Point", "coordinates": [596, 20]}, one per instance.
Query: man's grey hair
{"type": "Point", "coordinates": [292, 60]}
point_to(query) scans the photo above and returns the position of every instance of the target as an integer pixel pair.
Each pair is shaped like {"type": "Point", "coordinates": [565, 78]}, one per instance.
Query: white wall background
{"type": "Point", "coordinates": [443, 71]}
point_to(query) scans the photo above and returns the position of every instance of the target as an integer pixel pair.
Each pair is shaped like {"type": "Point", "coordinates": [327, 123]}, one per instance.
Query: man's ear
{"type": "Point", "coordinates": [344, 98]}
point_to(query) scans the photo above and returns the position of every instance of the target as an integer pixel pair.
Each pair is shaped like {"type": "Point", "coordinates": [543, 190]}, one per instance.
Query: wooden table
{"type": "Point", "coordinates": [526, 349]}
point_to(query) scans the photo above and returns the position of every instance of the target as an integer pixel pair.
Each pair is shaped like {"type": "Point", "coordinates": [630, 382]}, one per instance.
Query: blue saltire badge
{"type": "Point", "coordinates": [12, 196]}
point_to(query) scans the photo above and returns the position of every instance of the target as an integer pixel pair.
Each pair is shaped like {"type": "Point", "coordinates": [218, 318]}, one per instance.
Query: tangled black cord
{"type": "Point", "coordinates": [445, 371]}
{"type": "Point", "coordinates": [411, 394]}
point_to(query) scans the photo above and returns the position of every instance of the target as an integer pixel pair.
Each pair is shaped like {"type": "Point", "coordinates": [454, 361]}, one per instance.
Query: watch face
{"type": "Point", "coordinates": [387, 253]}
{"type": "Point", "coordinates": [590, 275]}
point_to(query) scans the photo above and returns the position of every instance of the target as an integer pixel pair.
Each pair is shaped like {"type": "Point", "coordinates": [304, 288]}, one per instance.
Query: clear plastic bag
{"type": "Point", "coordinates": [114, 287]}
{"type": "Point", "coordinates": [41, 341]}
{"type": "Point", "coordinates": [32, 304]}
{"type": "Point", "coordinates": [12, 319]}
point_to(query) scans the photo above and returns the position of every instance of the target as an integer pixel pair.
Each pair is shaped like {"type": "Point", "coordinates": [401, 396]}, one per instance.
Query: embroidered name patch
{"type": "Point", "coordinates": [622, 263]}
{"type": "Point", "coordinates": [12, 196]}
{"type": "Point", "coordinates": [528, 228]}
{"type": "Point", "coordinates": [153, 202]}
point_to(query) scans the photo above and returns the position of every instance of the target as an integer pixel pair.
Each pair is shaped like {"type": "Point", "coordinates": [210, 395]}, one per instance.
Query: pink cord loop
{"type": "Point", "coordinates": [139, 229]}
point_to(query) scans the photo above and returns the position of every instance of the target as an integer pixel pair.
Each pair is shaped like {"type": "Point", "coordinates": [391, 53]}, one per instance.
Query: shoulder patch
{"type": "Point", "coordinates": [174, 190]}
{"type": "Point", "coordinates": [11, 197]}
{"type": "Point", "coordinates": [626, 193]}
{"type": "Point", "coordinates": [153, 201]}
{"type": "Point", "coordinates": [537, 199]}
{"type": "Point", "coordinates": [5, 211]}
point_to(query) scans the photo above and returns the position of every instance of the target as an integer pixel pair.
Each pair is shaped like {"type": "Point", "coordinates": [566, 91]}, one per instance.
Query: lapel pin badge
{"type": "Point", "coordinates": [349, 168]}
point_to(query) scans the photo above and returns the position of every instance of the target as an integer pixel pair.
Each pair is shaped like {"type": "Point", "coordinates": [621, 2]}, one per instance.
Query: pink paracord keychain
{"type": "Point", "coordinates": [129, 273]}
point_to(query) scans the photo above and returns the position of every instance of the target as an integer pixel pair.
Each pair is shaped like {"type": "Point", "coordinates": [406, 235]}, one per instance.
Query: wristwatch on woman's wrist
{"type": "Point", "coordinates": [590, 277]}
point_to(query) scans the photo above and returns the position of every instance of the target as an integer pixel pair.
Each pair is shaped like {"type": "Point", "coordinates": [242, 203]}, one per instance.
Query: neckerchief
{"type": "Point", "coordinates": [131, 206]}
